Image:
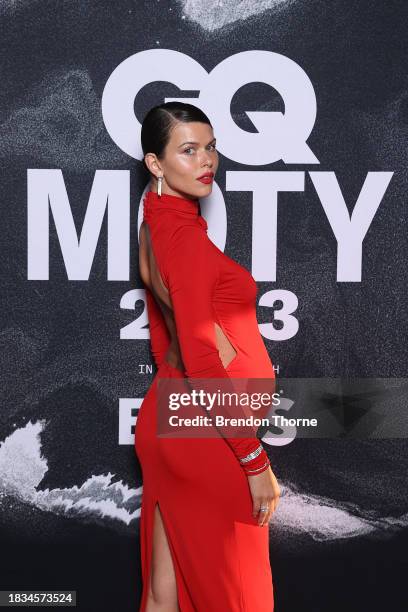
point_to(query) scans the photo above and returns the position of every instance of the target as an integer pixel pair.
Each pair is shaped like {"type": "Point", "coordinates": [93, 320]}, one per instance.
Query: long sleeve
{"type": "Point", "coordinates": [159, 334]}
{"type": "Point", "coordinates": [191, 275]}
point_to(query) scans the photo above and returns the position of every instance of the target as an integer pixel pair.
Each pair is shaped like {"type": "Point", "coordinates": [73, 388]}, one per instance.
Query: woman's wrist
{"type": "Point", "coordinates": [255, 462]}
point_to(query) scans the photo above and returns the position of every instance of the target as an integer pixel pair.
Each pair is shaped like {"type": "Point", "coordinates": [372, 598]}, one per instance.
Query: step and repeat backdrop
{"type": "Point", "coordinates": [309, 104]}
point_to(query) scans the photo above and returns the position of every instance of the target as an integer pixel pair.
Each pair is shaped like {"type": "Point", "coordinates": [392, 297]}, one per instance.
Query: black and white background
{"type": "Point", "coordinates": [75, 351]}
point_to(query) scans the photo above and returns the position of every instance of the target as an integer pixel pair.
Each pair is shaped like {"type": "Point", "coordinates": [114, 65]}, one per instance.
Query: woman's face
{"type": "Point", "coordinates": [189, 154]}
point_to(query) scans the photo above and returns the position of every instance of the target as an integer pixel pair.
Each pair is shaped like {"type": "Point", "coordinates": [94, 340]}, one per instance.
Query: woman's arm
{"type": "Point", "coordinates": [191, 275]}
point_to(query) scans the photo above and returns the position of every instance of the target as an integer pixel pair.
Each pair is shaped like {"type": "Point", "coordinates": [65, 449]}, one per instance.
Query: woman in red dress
{"type": "Point", "coordinates": [206, 502]}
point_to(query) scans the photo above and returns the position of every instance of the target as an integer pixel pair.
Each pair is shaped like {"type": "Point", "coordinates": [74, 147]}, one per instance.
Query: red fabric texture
{"type": "Point", "coordinates": [200, 485]}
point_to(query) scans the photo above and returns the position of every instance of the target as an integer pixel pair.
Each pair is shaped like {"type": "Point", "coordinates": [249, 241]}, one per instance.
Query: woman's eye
{"type": "Point", "coordinates": [214, 147]}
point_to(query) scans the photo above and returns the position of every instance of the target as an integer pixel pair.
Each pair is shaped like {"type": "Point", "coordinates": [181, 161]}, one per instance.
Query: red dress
{"type": "Point", "coordinates": [220, 554]}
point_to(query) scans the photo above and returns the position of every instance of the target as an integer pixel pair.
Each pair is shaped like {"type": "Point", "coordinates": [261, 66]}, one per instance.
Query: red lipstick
{"type": "Point", "coordinates": [206, 178]}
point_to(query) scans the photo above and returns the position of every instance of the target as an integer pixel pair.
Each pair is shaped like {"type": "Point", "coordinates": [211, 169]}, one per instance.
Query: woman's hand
{"type": "Point", "coordinates": [265, 492]}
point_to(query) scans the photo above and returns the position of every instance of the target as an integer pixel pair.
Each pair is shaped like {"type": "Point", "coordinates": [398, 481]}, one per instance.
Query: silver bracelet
{"type": "Point", "coordinates": [257, 469]}
{"type": "Point", "coordinates": [252, 455]}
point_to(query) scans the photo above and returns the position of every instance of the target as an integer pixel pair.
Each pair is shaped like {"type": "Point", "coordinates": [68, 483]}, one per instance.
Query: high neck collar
{"type": "Point", "coordinates": [153, 203]}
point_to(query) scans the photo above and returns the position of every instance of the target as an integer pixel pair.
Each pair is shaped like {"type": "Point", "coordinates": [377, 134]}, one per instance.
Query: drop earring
{"type": "Point", "coordinates": [159, 185]}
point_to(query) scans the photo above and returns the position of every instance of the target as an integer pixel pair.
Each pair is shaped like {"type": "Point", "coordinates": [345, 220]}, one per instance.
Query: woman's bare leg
{"type": "Point", "coordinates": [162, 595]}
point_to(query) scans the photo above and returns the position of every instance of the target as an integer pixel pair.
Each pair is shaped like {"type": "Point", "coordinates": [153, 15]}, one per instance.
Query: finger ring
{"type": "Point", "coordinates": [263, 508]}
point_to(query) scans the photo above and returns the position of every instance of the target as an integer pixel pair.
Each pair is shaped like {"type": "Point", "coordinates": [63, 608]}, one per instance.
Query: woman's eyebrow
{"type": "Point", "coordinates": [193, 142]}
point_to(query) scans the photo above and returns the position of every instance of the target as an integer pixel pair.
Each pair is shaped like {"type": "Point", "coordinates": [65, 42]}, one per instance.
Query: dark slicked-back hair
{"type": "Point", "coordinates": [160, 120]}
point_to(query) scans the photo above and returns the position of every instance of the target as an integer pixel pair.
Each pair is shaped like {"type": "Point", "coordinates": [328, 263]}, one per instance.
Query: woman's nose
{"type": "Point", "coordinates": [208, 160]}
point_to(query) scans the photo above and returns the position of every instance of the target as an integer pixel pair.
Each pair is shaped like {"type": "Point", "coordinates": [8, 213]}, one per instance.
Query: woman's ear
{"type": "Point", "coordinates": [151, 162]}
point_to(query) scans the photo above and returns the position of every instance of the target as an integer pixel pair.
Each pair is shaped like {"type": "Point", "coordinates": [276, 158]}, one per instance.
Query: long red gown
{"type": "Point", "coordinates": [220, 553]}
